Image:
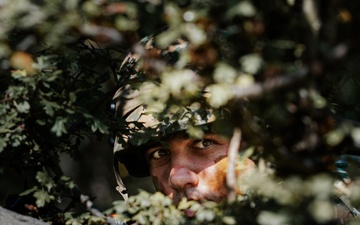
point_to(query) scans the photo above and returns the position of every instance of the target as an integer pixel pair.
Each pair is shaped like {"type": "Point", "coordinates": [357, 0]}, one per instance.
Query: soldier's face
{"type": "Point", "coordinates": [194, 169]}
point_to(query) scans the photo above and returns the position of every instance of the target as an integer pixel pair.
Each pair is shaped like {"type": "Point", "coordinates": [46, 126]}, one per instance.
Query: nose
{"type": "Point", "coordinates": [182, 177]}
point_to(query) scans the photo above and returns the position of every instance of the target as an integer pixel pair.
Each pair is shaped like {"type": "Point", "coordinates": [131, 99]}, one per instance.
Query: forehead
{"type": "Point", "coordinates": [183, 135]}
{"type": "Point", "coordinates": [176, 138]}
{"type": "Point", "coordinates": [164, 141]}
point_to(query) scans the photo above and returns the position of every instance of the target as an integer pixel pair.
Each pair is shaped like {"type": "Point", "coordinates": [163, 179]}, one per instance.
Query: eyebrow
{"type": "Point", "coordinates": [178, 136]}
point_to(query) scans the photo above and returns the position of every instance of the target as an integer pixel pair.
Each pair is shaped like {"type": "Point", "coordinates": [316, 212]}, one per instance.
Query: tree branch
{"type": "Point", "coordinates": [258, 89]}
{"type": "Point", "coordinates": [231, 169]}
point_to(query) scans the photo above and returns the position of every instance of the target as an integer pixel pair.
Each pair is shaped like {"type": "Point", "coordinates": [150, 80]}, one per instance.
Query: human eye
{"type": "Point", "coordinates": [203, 143]}
{"type": "Point", "coordinates": [158, 154]}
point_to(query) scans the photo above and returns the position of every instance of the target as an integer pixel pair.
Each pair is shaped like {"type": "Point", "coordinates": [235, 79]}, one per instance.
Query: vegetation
{"type": "Point", "coordinates": [285, 70]}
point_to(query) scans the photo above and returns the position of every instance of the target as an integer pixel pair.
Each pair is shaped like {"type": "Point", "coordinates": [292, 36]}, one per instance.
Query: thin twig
{"type": "Point", "coordinates": [231, 169]}
{"type": "Point", "coordinates": [90, 206]}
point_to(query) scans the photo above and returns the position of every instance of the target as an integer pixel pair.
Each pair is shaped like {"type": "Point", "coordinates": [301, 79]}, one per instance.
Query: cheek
{"type": "Point", "coordinates": [219, 177]}
{"type": "Point", "coordinates": [155, 182]}
{"type": "Point", "coordinates": [159, 177]}
{"type": "Point", "coordinates": [218, 181]}
{"type": "Point", "coordinates": [160, 185]}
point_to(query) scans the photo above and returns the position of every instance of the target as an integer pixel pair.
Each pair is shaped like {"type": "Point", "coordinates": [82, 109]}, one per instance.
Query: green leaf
{"type": "Point", "coordinates": [205, 215]}
{"type": "Point", "coordinates": [23, 107]}
{"type": "Point", "coordinates": [251, 63]}
{"type": "Point", "coordinates": [355, 134]}
{"type": "Point", "coordinates": [74, 221]}
{"type": "Point", "coordinates": [49, 106]}
{"type": "Point", "coordinates": [18, 74]}
{"type": "Point", "coordinates": [334, 137]}
{"type": "Point", "coordinates": [122, 23]}
{"type": "Point", "coordinates": [68, 182]}
{"type": "Point", "coordinates": [229, 220]}
{"type": "Point", "coordinates": [195, 34]}
{"type": "Point", "coordinates": [40, 122]}
{"type": "Point", "coordinates": [180, 83]}
{"type": "Point", "coordinates": [243, 8]}
{"type": "Point", "coordinates": [322, 210]}
{"type": "Point", "coordinates": [42, 197]}
{"type": "Point", "coordinates": [91, 8]}
{"type": "Point", "coordinates": [99, 125]}
{"type": "Point", "coordinates": [272, 218]}
{"type": "Point", "coordinates": [224, 73]}
{"type": "Point", "coordinates": [219, 95]}
{"type": "Point", "coordinates": [195, 132]}
{"type": "Point", "coordinates": [3, 144]}
{"type": "Point", "coordinates": [72, 96]}
{"type": "Point", "coordinates": [44, 179]}
{"type": "Point", "coordinates": [59, 127]}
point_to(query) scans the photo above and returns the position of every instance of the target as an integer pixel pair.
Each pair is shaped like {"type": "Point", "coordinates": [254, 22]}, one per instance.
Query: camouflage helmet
{"type": "Point", "coordinates": [136, 115]}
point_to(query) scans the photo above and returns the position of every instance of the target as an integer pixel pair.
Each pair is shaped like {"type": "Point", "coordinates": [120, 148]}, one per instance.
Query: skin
{"type": "Point", "coordinates": [192, 169]}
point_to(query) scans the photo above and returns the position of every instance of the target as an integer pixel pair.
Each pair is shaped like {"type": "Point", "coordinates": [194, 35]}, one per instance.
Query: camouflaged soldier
{"type": "Point", "coordinates": [180, 166]}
